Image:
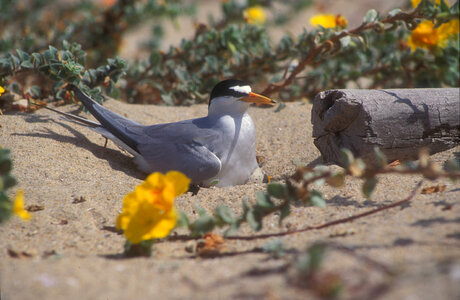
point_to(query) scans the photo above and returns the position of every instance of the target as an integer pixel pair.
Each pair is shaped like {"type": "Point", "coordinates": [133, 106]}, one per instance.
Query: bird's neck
{"type": "Point", "coordinates": [221, 108]}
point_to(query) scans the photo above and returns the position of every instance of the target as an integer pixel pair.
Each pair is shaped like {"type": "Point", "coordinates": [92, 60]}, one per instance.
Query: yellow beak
{"type": "Point", "coordinates": [258, 99]}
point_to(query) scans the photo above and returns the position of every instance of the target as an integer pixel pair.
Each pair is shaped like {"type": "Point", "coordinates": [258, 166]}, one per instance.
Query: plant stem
{"type": "Point", "coordinates": [333, 223]}
{"type": "Point", "coordinates": [328, 46]}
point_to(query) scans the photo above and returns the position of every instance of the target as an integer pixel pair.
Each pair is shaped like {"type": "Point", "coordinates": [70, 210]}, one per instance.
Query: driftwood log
{"type": "Point", "coordinates": [399, 121]}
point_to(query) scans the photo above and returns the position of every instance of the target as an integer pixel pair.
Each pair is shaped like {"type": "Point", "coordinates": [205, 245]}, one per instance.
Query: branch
{"type": "Point", "coordinates": [333, 223]}
{"type": "Point", "coordinates": [328, 46]}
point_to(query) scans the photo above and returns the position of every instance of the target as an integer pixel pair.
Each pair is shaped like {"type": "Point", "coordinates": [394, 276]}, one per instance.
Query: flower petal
{"type": "Point", "coordinates": [325, 21]}
{"type": "Point", "coordinates": [255, 15]}
{"type": "Point", "coordinates": [18, 207]}
{"type": "Point", "coordinates": [163, 226]}
{"type": "Point", "coordinates": [154, 181]}
{"type": "Point", "coordinates": [149, 222]}
{"type": "Point", "coordinates": [181, 182]}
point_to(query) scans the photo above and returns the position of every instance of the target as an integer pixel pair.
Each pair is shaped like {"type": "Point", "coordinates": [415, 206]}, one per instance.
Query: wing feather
{"type": "Point", "coordinates": [185, 146]}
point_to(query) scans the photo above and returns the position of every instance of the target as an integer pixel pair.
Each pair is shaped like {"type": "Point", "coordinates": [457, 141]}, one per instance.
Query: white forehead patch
{"type": "Point", "coordinates": [246, 89]}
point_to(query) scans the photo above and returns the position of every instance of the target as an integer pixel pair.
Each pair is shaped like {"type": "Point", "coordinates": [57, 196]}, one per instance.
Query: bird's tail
{"type": "Point", "coordinates": [110, 121]}
{"type": "Point", "coordinates": [74, 118]}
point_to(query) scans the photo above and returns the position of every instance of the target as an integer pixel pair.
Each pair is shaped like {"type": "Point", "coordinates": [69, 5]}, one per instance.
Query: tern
{"type": "Point", "coordinates": [216, 150]}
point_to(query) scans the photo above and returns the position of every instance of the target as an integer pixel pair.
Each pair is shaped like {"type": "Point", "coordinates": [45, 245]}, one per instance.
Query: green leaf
{"type": "Point", "coordinates": [445, 7]}
{"type": "Point", "coordinates": [263, 200]}
{"type": "Point", "coordinates": [276, 190]}
{"type": "Point", "coordinates": [311, 261]}
{"type": "Point", "coordinates": [394, 12]}
{"type": "Point", "coordinates": [6, 207]}
{"type": "Point", "coordinates": [167, 98]}
{"type": "Point", "coordinates": [50, 54]}
{"type": "Point", "coordinates": [5, 167]}
{"type": "Point", "coordinates": [201, 211]}
{"type": "Point", "coordinates": [34, 91]}
{"type": "Point", "coordinates": [27, 64]}
{"type": "Point", "coordinates": [381, 158]}
{"type": "Point", "coordinates": [280, 107]}
{"type": "Point", "coordinates": [212, 62]}
{"type": "Point", "coordinates": [275, 248]}
{"type": "Point", "coordinates": [36, 58]}
{"type": "Point", "coordinates": [316, 253]}
{"type": "Point", "coordinates": [66, 55]}
{"type": "Point", "coordinates": [214, 182]}
{"type": "Point", "coordinates": [232, 47]}
{"type": "Point", "coordinates": [155, 58]}
{"type": "Point", "coordinates": [53, 50]}
{"type": "Point", "coordinates": [181, 74]}
{"type": "Point", "coordinates": [22, 55]}
{"type": "Point", "coordinates": [183, 220]}
{"type": "Point", "coordinates": [284, 213]}
{"type": "Point", "coordinates": [370, 16]}
{"type": "Point", "coordinates": [254, 220]}
{"type": "Point", "coordinates": [6, 64]}
{"type": "Point", "coordinates": [347, 157]}
{"type": "Point", "coordinates": [316, 199]}
{"type": "Point", "coordinates": [15, 60]}
{"type": "Point", "coordinates": [225, 214]}
{"type": "Point", "coordinates": [9, 181]}
{"type": "Point", "coordinates": [369, 186]}
{"type": "Point", "coordinates": [15, 88]}
{"type": "Point", "coordinates": [4, 155]}
{"type": "Point", "coordinates": [231, 229]}
{"type": "Point", "coordinates": [61, 94]}
{"type": "Point", "coordinates": [203, 225]}
{"type": "Point", "coordinates": [65, 45]}
{"type": "Point", "coordinates": [246, 207]}
{"type": "Point", "coordinates": [345, 41]}
{"type": "Point", "coordinates": [452, 165]}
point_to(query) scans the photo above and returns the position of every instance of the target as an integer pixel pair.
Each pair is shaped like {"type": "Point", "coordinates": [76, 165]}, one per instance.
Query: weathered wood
{"type": "Point", "coordinates": [399, 121]}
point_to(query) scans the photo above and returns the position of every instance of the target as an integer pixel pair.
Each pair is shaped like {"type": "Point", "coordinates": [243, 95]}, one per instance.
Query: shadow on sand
{"type": "Point", "coordinates": [117, 160]}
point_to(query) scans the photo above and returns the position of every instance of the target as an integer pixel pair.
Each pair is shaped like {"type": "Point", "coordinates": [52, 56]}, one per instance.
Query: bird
{"type": "Point", "coordinates": [216, 150]}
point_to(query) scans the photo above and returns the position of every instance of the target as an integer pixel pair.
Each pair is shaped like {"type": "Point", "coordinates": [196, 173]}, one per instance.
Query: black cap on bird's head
{"type": "Point", "coordinates": [238, 89]}
{"type": "Point", "coordinates": [230, 88]}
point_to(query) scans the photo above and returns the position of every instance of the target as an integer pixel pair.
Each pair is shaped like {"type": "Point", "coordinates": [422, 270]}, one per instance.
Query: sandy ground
{"type": "Point", "coordinates": [72, 251]}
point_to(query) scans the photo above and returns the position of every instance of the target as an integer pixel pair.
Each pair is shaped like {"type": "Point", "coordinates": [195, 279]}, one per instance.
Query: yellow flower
{"type": "Point", "coordinates": [341, 21]}
{"type": "Point", "coordinates": [426, 36]}
{"type": "Point", "coordinates": [415, 3]}
{"type": "Point", "coordinates": [255, 15]}
{"type": "Point", "coordinates": [328, 21]}
{"type": "Point", "coordinates": [448, 30]}
{"type": "Point", "coordinates": [164, 188]}
{"type": "Point", "coordinates": [2, 90]}
{"type": "Point", "coordinates": [149, 222]}
{"type": "Point", "coordinates": [148, 212]}
{"type": "Point", "coordinates": [18, 207]}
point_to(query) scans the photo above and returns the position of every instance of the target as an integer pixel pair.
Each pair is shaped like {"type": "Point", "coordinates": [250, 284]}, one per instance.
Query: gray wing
{"type": "Point", "coordinates": [187, 146]}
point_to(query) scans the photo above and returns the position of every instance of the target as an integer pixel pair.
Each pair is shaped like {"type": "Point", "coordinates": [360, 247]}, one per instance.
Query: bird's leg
{"type": "Point", "coordinates": [194, 189]}
{"type": "Point", "coordinates": [104, 149]}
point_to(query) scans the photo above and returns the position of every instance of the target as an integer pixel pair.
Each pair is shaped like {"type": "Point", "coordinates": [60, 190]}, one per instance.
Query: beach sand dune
{"type": "Point", "coordinates": [70, 250]}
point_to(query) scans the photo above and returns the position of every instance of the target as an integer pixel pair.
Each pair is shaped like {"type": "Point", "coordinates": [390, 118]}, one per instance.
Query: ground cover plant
{"type": "Point", "coordinates": [412, 46]}
{"type": "Point", "coordinates": [416, 46]}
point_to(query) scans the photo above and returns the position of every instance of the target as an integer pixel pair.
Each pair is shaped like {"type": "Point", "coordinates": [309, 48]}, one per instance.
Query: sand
{"type": "Point", "coordinates": [72, 252]}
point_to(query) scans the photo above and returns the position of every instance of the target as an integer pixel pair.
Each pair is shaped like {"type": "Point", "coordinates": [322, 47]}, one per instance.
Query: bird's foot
{"type": "Point", "coordinates": [194, 189]}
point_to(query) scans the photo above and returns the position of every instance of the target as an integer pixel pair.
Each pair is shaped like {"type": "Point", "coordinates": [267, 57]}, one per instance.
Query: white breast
{"type": "Point", "coordinates": [238, 156]}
